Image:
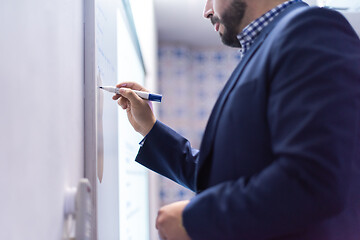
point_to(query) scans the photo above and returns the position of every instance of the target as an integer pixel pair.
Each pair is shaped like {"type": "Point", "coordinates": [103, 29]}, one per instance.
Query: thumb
{"type": "Point", "coordinates": [130, 95]}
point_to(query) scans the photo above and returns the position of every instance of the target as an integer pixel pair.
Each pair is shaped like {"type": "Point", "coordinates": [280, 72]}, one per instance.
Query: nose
{"type": "Point", "coordinates": [208, 10]}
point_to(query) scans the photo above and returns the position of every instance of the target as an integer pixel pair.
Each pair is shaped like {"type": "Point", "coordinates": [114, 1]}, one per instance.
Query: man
{"type": "Point", "coordinates": [280, 156]}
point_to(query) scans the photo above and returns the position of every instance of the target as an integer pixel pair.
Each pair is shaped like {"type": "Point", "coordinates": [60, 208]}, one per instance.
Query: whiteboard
{"type": "Point", "coordinates": [107, 122]}
{"type": "Point", "coordinates": [113, 55]}
{"type": "Point", "coordinates": [133, 178]}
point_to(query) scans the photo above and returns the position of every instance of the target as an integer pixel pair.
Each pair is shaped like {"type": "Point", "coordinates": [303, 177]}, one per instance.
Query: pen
{"type": "Point", "coordinates": [144, 95]}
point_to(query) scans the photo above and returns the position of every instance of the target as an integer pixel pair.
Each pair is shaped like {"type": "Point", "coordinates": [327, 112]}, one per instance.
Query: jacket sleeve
{"type": "Point", "coordinates": [169, 154]}
{"type": "Point", "coordinates": [313, 118]}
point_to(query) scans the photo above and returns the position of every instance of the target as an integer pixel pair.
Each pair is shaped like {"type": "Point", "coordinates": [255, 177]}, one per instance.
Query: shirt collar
{"type": "Point", "coordinates": [251, 31]}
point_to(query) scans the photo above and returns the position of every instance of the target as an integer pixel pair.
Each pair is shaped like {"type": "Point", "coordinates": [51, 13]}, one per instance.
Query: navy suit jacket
{"type": "Point", "coordinates": [280, 156]}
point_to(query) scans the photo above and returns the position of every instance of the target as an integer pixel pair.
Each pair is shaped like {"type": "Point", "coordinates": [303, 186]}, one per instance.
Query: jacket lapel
{"type": "Point", "coordinates": [208, 138]}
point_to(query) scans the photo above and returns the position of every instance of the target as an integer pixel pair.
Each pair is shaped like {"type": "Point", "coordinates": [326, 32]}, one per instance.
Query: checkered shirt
{"type": "Point", "coordinates": [251, 31]}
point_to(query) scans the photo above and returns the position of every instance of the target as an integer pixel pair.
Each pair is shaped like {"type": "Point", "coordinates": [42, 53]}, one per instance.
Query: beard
{"type": "Point", "coordinates": [231, 20]}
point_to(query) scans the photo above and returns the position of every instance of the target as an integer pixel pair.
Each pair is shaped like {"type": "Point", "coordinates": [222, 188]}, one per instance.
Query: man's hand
{"type": "Point", "coordinates": [139, 111]}
{"type": "Point", "coordinates": [169, 222]}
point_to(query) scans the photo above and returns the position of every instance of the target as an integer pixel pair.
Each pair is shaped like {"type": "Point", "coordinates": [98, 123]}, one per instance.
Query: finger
{"type": "Point", "coordinates": [162, 237]}
{"type": "Point", "coordinates": [131, 85]}
{"type": "Point", "coordinates": [160, 231]}
{"type": "Point", "coordinates": [116, 96]}
{"type": "Point", "coordinates": [123, 102]}
{"type": "Point", "coordinates": [130, 95]}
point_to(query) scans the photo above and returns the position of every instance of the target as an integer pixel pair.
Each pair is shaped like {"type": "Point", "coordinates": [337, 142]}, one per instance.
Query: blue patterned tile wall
{"type": "Point", "coordinates": [190, 81]}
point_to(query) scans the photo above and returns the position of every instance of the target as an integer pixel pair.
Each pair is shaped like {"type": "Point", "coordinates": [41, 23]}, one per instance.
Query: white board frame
{"type": "Point", "coordinates": [90, 99]}
{"type": "Point", "coordinates": [90, 119]}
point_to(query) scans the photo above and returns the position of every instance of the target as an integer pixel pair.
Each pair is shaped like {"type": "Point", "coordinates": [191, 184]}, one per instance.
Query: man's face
{"type": "Point", "coordinates": [226, 16]}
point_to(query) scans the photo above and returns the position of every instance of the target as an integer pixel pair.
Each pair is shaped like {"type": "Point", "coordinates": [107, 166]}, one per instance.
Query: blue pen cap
{"type": "Point", "coordinates": [155, 97]}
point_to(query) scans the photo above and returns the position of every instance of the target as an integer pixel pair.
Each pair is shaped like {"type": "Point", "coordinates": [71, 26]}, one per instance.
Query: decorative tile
{"type": "Point", "coordinates": [190, 81]}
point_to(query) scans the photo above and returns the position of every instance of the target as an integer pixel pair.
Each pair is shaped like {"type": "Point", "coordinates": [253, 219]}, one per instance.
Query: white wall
{"type": "Point", "coordinates": [41, 119]}
{"type": "Point", "coordinates": [354, 19]}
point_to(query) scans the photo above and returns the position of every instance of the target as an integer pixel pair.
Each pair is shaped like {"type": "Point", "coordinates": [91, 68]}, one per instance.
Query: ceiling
{"type": "Point", "coordinates": [182, 21]}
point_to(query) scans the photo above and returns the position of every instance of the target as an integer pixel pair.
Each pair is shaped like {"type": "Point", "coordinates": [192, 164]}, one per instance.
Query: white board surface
{"type": "Point", "coordinates": [112, 55]}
